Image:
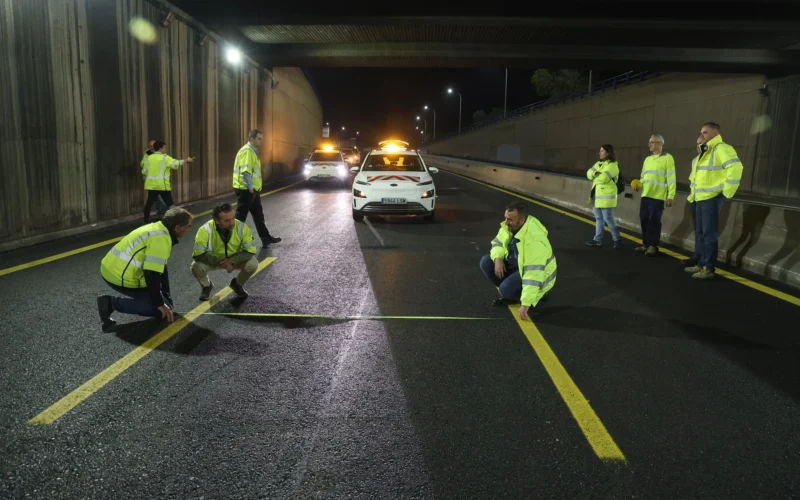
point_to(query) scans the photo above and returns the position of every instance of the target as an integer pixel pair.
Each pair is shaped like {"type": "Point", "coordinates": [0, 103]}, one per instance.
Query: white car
{"type": "Point", "coordinates": [325, 165]}
{"type": "Point", "coordinates": [393, 180]}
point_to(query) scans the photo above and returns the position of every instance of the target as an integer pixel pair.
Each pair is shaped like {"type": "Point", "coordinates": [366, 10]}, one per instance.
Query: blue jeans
{"type": "Point", "coordinates": [607, 214]}
{"type": "Point", "coordinates": [650, 212]}
{"type": "Point", "coordinates": [707, 226]}
{"type": "Point", "coordinates": [510, 285]}
{"type": "Point", "coordinates": [139, 303]}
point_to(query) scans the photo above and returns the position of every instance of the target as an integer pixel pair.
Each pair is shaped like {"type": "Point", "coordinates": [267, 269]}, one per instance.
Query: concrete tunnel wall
{"type": "Point", "coordinates": [81, 97]}
{"type": "Point", "coordinates": [759, 238]}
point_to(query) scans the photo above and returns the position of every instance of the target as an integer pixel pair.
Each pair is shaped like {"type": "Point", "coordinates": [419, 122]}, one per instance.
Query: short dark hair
{"type": "Point", "coordinates": [519, 207]}
{"type": "Point", "coordinates": [712, 125]}
{"type": "Point", "coordinates": [253, 134]}
{"type": "Point", "coordinates": [610, 151]}
{"type": "Point", "coordinates": [177, 216]}
{"type": "Point", "coordinates": [221, 208]}
{"type": "Point", "coordinates": [158, 145]}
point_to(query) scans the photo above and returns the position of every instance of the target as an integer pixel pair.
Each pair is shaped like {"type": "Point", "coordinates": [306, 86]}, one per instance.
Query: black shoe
{"type": "Point", "coordinates": [238, 289]}
{"type": "Point", "coordinates": [618, 244]}
{"type": "Point", "coordinates": [265, 242]}
{"type": "Point", "coordinates": [273, 239]}
{"type": "Point", "coordinates": [593, 243]}
{"type": "Point", "coordinates": [205, 292]}
{"type": "Point", "coordinates": [105, 308]}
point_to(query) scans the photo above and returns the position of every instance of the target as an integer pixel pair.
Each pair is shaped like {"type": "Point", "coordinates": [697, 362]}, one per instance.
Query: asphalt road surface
{"type": "Point", "coordinates": [388, 392]}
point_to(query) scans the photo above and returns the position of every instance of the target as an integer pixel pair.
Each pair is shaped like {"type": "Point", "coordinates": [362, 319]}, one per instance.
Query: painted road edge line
{"type": "Point", "coordinates": [70, 253]}
{"type": "Point", "coordinates": [596, 433]}
{"type": "Point", "coordinates": [79, 395]}
{"type": "Point", "coordinates": [727, 274]}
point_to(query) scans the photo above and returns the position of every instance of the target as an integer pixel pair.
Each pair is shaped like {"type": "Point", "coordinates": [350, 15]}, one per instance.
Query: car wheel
{"type": "Point", "coordinates": [431, 216]}
{"type": "Point", "coordinates": [357, 215]}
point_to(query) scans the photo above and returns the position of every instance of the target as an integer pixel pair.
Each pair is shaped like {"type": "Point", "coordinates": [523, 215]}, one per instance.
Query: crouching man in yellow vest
{"type": "Point", "coordinates": [521, 262]}
{"type": "Point", "coordinates": [137, 267]}
{"type": "Point", "coordinates": [224, 243]}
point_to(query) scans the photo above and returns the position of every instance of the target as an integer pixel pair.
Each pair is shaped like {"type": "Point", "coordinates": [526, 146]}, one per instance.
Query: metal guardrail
{"type": "Point", "coordinates": [608, 84]}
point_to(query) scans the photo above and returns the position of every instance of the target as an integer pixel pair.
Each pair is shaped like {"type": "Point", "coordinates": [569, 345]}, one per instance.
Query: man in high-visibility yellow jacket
{"type": "Point", "coordinates": [658, 189]}
{"type": "Point", "coordinates": [690, 263]}
{"type": "Point", "coordinates": [137, 267]}
{"type": "Point", "coordinates": [224, 243]}
{"type": "Point", "coordinates": [717, 175]}
{"type": "Point", "coordinates": [247, 185]}
{"type": "Point", "coordinates": [521, 262]}
{"type": "Point", "coordinates": [161, 207]}
{"type": "Point", "coordinates": [157, 169]}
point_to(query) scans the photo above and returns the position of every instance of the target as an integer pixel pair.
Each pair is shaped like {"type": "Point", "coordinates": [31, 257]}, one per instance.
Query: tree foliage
{"type": "Point", "coordinates": [482, 116]}
{"type": "Point", "coordinates": [550, 82]}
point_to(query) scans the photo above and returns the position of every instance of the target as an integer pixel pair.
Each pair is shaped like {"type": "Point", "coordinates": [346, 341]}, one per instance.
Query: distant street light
{"type": "Point", "coordinates": [450, 91]}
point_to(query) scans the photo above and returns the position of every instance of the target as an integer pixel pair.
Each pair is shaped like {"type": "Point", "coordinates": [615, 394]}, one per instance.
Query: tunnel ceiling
{"type": "Point", "coordinates": [746, 40]}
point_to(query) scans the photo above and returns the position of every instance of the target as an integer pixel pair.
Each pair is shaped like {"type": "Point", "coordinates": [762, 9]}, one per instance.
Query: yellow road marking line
{"type": "Point", "coordinates": [79, 395]}
{"type": "Point", "coordinates": [596, 433]}
{"type": "Point", "coordinates": [59, 256]}
{"type": "Point", "coordinates": [727, 274]}
{"type": "Point", "coordinates": [45, 260]}
{"type": "Point", "coordinates": [324, 316]}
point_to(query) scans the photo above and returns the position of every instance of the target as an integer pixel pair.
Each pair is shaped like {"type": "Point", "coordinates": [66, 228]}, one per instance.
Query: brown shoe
{"type": "Point", "coordinates": [692, 269]}
{"type": "Point", "coordinates": [704, 274]}
{"type": "Point", "coordinates": [651, 251]}
{"type": "Point", "coordinates": [640, 249]}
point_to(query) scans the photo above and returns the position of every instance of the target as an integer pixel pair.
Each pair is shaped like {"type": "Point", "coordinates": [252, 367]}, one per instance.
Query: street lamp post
{"type": "Point", "coordinates": [425, 121]}
{"type": "Point", "coordinates": [450, 91]}
{"type": "Point", "coordinates": [434, 120]}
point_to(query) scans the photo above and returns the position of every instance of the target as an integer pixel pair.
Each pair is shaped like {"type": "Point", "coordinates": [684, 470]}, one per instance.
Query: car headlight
{"type": "Point", "coordinates": [428, 194]}
{"type": "Point", "coordinates": [359, 194]}
{"type": "Point", "coordinates": [307, 168]}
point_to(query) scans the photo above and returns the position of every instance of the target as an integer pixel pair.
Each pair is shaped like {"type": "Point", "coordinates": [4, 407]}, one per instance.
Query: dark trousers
{"type": "Point", "coordinates": [249, 202]}
{"type": "Point", "coordinates": [693, 208]}
{"type": "Point", "coordinates": [152, 196]}
{"type": "Point", "coordinates": [650, 212]}
{"type": "Point", "coordinates": [707, 223]}
{"type": "Point", "coordinates": [510, 285]}
{"type": "Point", "coordinates": [138, 302]}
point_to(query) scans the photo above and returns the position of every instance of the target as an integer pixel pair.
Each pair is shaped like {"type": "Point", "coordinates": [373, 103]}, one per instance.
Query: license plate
{"type": "Point", "coordinates": [323, 175]}
{"type": "Point", "coordinates": [393, 201]}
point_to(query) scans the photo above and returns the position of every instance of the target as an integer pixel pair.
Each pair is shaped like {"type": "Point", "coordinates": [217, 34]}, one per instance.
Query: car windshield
{"type": "Point", "coordinates": [393, 162]}
{"type": "Point", "coordinates": [326, 156]}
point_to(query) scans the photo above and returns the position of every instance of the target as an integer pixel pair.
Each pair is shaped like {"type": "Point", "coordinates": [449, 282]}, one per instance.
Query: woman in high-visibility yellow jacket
{"type": "Point", "coordinates": [604, 175]}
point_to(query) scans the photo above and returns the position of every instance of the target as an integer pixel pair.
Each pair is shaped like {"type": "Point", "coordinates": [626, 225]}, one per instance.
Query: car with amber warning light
{"type": "Point", "coordinates": [326, 164]}
{"type": "Point", "coordinates": [394, 180]}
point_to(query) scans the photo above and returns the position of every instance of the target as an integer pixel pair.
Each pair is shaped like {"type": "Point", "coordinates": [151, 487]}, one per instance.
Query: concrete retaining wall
{"type": "Point", "coordinates": [755, 237]}
{"type": "Point", "coordinates": [565, 138]}
{"type": "Point", "coordinates": [81, 96]}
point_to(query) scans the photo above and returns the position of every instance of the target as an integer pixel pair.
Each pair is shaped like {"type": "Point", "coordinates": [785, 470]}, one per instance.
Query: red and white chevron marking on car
{"type": "Point", "coordinates": [393, 178]}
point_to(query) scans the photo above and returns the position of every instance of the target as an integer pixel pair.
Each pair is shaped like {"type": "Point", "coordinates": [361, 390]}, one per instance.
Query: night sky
{"type": "Point", "coordinates": [382, 102]}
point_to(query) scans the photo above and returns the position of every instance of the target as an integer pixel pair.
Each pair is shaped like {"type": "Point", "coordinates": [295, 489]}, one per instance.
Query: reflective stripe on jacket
{"type": "Point", "coordinates": [144, 249]}
{"type": "Point", "coordinates": [719, 170]}
{"type": "Point", "coordinates": [208, 240]}
{"type": "Point", "coordinates": [604, 175]}
{"type": "Point", "coordinates": [536, 262]}
{"type": "Point", "coordinates": [159, 167]}
{"type": "Point", "coordinates": [247, 162]}
{"type": "Point", "coordinates": [658, 177]}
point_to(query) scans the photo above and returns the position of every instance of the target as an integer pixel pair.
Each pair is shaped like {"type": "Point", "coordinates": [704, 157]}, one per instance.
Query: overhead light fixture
{"type": "Point", "coordinates": [201, 40]}
{"type": "Point", "coordinates": [234, 56]}
{"type": "Point", "coordinates": [167, 19]}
